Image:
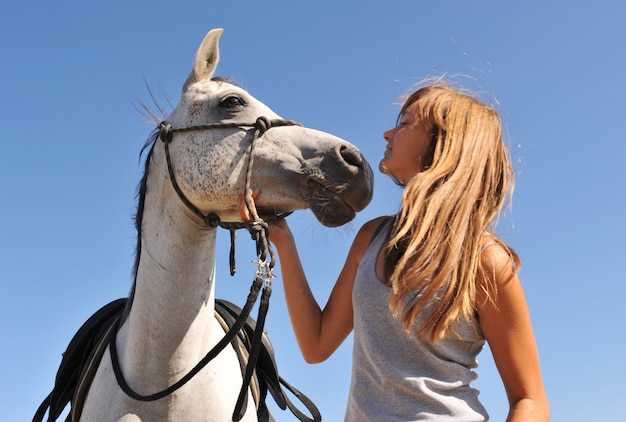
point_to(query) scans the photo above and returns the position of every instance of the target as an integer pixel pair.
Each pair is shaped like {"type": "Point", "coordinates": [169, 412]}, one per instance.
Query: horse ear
{"type": "Point", "coordinates": [206, 58]}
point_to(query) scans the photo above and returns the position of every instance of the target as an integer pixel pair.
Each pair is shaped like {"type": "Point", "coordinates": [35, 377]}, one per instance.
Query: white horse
{"type": "Point", "coordinates": [200, 170]}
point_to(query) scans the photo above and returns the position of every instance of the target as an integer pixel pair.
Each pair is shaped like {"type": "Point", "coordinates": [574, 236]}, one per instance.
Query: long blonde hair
{"type": "Point", "coordinates": [435, 245]}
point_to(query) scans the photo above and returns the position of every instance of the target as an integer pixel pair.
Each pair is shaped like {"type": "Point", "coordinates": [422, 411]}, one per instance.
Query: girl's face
{"type": "Point", "coordinates": [407, 145]}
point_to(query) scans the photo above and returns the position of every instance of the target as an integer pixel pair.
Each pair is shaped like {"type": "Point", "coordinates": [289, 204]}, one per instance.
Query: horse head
{"type": "Point", "coordinates": [295, 167]}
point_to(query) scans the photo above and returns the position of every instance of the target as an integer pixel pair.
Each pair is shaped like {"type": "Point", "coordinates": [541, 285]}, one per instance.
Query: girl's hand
{"type": "Point", "coordinates": [279, 232]}
{"type": "Point", "coordinates": [241, 204]}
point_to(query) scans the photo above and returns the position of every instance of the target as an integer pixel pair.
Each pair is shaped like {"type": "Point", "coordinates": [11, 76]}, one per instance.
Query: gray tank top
{"type": "Point", "coordinates": [401, 378]}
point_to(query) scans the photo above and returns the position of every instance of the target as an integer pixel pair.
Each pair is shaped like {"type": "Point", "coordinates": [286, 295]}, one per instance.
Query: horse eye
{"type": "Point", "coordinates": [232, 102]}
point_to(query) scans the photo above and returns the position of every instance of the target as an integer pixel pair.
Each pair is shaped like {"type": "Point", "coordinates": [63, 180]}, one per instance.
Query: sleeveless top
{"type": "Point", "coordinates": [400, 378]}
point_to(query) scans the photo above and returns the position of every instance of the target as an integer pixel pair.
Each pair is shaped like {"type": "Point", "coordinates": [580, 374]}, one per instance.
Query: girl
{"type": "Point", "coordinates": [424, 289]}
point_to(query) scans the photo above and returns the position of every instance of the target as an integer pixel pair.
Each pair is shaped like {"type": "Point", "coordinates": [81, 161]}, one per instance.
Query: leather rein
{"type": "Point", "coordinates": [262, 279]}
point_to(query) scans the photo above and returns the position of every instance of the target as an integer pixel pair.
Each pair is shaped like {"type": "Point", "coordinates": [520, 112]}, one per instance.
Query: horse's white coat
{"type": "Point", "coordinates": [171, 324]}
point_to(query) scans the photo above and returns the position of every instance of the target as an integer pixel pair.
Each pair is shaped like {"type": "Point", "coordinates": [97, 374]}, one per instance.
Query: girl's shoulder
{"type": "Point", "coordinates": [364, 237]}
{"type": "Point", "coordinates": [370, 229]}
{"type": "Point", "coordinates": [498, 258]}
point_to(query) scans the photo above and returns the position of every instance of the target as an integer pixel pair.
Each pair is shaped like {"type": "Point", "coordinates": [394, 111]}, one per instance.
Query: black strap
{"type": "Point", "coordinates": [239, 411]}
{"type": "Point", "coordinates": [267, 370]}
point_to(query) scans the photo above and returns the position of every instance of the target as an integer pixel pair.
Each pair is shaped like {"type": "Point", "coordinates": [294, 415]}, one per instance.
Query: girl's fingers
{"type": "Point", "coordinates": [241, 203]}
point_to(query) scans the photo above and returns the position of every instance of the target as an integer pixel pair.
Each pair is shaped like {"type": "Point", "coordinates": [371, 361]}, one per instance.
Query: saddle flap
{"type": "Point", "coordinates": [76, 357]}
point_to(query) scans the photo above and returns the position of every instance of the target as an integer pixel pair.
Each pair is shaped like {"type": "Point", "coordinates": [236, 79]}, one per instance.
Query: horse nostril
{"type": "Point", "coordinates": [358, 189]}
{"type": "Point", "coordinates": [351, 156]}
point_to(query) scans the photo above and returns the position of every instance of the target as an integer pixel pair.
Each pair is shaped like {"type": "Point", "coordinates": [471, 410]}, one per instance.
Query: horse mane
{"type": "Point", "coordinates": [141, 196]}
{"type": "Point", "coordinates": [138, 218]}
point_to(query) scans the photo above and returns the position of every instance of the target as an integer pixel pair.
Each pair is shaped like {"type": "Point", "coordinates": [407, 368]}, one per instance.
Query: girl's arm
{"type": "Point", "coordinates": [507, 328]}
{"type": "Point", "coordinates": [318, 332]}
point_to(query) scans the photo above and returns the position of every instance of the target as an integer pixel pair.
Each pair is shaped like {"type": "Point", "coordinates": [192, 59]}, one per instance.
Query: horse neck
{"type": "Point", "coordinates": [171, 323]}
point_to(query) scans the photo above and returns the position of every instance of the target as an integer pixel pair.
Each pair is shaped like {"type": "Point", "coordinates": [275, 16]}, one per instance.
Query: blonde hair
{"type": "Point", "coordinates": [435, 245]}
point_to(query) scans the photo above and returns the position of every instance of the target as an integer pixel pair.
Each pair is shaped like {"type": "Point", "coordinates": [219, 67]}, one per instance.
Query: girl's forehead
{"type": "Point", "coordinates": [412, 111]}
{"type": "Point", "coordinates": [415, 105]}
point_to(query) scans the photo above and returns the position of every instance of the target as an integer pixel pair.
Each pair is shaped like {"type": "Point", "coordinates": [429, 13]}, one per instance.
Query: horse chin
{"type": "Point", "coordinates": [331, 216]}
{"type": "Point", "coordinates": [329, 208]}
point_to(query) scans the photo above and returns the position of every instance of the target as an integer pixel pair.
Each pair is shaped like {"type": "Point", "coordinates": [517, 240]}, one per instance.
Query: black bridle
{"type": "Point", "coordinates": [262, 279]}
{"type": "Point", "coordinates": [257, 227]}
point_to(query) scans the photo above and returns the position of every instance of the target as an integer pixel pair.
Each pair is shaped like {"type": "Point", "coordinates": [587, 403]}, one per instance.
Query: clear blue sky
{"type": "Point", "coordinates": [69, 163]}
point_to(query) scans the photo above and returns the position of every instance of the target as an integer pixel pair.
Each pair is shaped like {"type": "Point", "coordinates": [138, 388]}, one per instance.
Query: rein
{"type": "Point", "coordinates": [262, 279]}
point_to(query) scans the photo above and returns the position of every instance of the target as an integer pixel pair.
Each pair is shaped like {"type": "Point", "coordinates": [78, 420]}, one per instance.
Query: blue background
{"type": "Point", "coordinates": [72, 72]}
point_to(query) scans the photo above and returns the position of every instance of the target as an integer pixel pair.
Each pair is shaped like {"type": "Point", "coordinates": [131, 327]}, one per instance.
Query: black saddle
{"type": "Point", "coordinates": [82, 357]}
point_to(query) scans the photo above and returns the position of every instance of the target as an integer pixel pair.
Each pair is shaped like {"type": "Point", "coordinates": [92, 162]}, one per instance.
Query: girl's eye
{"type": "Point", "coordinates": [232, 102]}
{"type": "Point", "coordinates": [403, 121]}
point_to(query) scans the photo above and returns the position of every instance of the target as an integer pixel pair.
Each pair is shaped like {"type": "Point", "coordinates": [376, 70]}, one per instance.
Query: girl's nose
{"type": "Point", "coordinates": [388, 135]}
